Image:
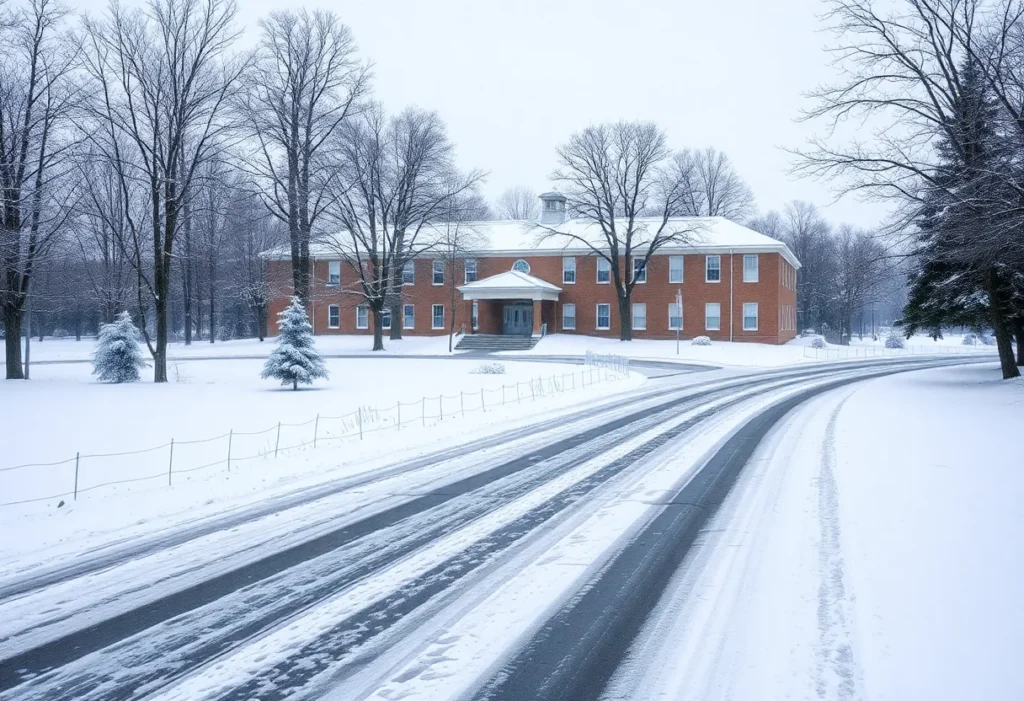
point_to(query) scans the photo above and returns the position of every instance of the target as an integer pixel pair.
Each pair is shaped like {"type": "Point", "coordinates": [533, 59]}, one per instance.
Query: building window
{"type": "Point", "coordinates": [334, 272]}
{"type": "Point", "coordinates": [362, 317]}
{"type": "Point", "coordinates": [409, 273]}
{"type": "Point", "coordinates": [568, 317]}
{"type": "Point", "coordinates": [639, 270]}
{"type": "Point", "coordinates": [675, 269]}
{"type": "Point", "coordinates": [675, 317]}
{"type": "Point", "coordinates": [639, 316]}
{"type": "Point", "coordinates": [713, 316]}
{"type": "Point", "coordinates": [604, 317]}
{"type": "Point", "coordinates": [713, 269]}
{"type": "Point", "coordinates": [521, 266]}
{"type": "Point", "coordinates": [385, 319]}
{"type": "Point", "coordinates": [569, 271]}
{"type": "Point", "coordinates": [408, 316]}
{"type": "Point", "coordinates": [604, 271]}
{"type": "Point", "coordinates": [750, 268]}
{"type": "Point", "coordinates": [750, 316]}
{"type": "Point", "coordinates": [437, 316]}
{"type": "Point", "coordinates": [470, 266]}
{"type": "Point", "coordinates": [476, 315]}
{"type": "Point", "coordinates": [438, 278]}
{"type": "Point", "coordinates": [333, 316]}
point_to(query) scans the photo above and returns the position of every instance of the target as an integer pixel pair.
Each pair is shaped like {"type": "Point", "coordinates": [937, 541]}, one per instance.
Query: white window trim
{"type": "Point", "coordinates": [412, 266]}
{"type": "Point", "coordinates": [635, 280]}
{"type": "Point", "coordinates": [331, 263]}
{"type": "Point", "coordinates": [406, 317]}
{"type": "Point", "coordinates": [337, 309]}
{"type": "Point", "coordinates": [465, 271]}
{"type": "Point", "coordinates": [367, 310]}
{"type": "Point", "coordinates": [386, 313]}
{"type": "Point", "coordinates": [433, 317]}
{"type": "Point", "coordinates": [670, 327]}
{"type": "Point", "coordinates": [573, 327]}
{"type": "Point", "coordinates": [597, 318]}
{"type": "Point", "coordinates": [566, 259]}
{"type": "Point", "coordinates": [525, 263]}
{"type": "Point", "coordinates": [757, 267]}
{"type": "Point", "coordinates": [757, 316]}
{"type": "Point", "coordinates": [633, 316]}
{"type": "Point", "coordinates": [474, 319]}
{"type": "Point", "coordinates": [707, 268]}
{"type": "Point", "coordinates": [433, 273]}
{"type": "Point", "coordinates": [597, 273]}
{"type": "Point", "coordinates": [712, 328]}
{"type": "Point", "coordinates": [682, 270]}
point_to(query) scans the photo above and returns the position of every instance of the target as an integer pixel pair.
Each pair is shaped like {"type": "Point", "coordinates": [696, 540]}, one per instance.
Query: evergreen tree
{"type": "Point", "coordinates": [118, 356]}
{"type": "Point", "coordinates": [294, 360]}
{"type": "Point", "coordinates": [957, 280]}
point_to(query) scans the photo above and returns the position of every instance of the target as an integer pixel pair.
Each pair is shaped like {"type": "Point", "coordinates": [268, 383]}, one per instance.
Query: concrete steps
{"type": "Point", "coordinates": [488, 343]}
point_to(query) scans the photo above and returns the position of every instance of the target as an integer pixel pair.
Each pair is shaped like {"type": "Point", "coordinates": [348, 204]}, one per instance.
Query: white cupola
{"type": "Point", "coordinates": [552, 208]}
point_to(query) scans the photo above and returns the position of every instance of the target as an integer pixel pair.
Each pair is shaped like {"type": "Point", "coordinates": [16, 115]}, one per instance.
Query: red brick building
{"type": "Point", "coordinates": [735, 284]}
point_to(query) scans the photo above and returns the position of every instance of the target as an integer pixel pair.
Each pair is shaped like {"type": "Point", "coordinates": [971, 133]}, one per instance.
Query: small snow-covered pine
{"type": "Point", "coordinates": [895, 340]}
{"type": "Point", "coordinates": [294, 360]}
{"type": "Point", "coordinates": [118, 356]}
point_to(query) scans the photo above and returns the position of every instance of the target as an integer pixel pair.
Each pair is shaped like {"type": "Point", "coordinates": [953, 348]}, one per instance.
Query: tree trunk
{"type": "Point", "coordinates": [12, 341]}
{"type": "Point", "coordinates": [160, 352]}
{"type": "Point", "coordinates": [295, 385]}
{"type": "Point", "coordinates": [213, 298]}
{"type": "Point", "coordinates": [396, 322]}
{"type": "Point", "coordinates": [625, 317]}
{"type": "Point", "coordinates": [1018, 326]}
{"type": "Point", "coordinates": [378, 331]}
{"type": "Point", "coordinates": [186, 278]}
{"type": "Point", "coordinates": [1000, 325]}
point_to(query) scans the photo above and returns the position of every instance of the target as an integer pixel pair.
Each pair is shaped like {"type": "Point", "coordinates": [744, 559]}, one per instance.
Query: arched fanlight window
{"type": "Point", "coordinates": [522, 266]}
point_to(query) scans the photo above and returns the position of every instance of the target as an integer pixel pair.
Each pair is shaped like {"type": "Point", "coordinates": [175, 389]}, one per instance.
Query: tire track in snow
{"type": "Point", "coordinates": [836, 654]}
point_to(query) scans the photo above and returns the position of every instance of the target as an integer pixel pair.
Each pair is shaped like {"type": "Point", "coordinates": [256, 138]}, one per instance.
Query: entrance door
{"type": "Point", "coordinates": [518, 319]}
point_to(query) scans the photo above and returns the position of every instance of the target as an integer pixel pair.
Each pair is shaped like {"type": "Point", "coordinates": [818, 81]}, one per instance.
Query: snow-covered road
{"type": "Point", "coordinates": [510, 568]}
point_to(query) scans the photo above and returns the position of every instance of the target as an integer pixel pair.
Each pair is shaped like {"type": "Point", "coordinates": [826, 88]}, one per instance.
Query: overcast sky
{"type": "Point", "coordinates": [513, 79]}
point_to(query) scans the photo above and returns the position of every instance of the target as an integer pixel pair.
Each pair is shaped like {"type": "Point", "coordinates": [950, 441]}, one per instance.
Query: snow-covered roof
{"type": "Point", "coordinates": [576, 236]}
{"type": "Point", "coordinates": [512, 284]}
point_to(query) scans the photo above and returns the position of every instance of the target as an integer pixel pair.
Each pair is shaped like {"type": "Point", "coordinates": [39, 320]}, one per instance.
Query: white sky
{"type": "Point", "coordinates": [513, 79]}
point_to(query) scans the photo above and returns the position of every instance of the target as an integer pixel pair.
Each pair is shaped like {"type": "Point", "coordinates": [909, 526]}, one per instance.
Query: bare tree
{"type": "Point", "coordinates": [306, 81]}
{"type": "Point", "coordinates": [518, 203]}
{"type": "Point", "coordinates": [771, 224]}
{"type": "Point", "coordinates": [396, 178]}
{"type": "Point", "coordinates": [859, 265]}
{"type": "Point", "coordinates": [456, 238]}
{"type": "Point", "coordinates": [809, 236]}
{"type": "Point", "coordinates": [161, 80]}
{"type": "Point", "coordinates": [36, 62]}
{"type": "Point", "coordinates": [622, 182]}
{"type": "Point", "coordinates": [712, 187]}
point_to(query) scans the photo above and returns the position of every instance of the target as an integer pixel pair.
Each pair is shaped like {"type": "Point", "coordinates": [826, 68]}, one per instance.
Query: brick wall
{"type": "Point", "coordinates": [773, 293]}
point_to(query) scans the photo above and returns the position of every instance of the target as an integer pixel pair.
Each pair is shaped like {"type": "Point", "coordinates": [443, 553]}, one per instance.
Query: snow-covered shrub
{"type": "Point", "coordinates": [818, 342]}
{"type": "Point", "coordinates": [294, 359]}
{"type": "Point", "coordinates": [118, 356]}
{"type": "Point", "coordinates": [60, 333]}
{"type": "Point", "coordinates": [987, 339]}
{"type": "Point", "coordinates": [489, 369]}
{"type": "Point", "coordinates": [701, 341]}
{"type": "Point", "coordinates": [969, 340]}
{"type": "Point", "coordinates": [895, 339]}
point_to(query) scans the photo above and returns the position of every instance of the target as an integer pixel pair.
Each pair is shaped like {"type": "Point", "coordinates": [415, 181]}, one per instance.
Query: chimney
{"type": "Point", "coordinates": [552, 209]}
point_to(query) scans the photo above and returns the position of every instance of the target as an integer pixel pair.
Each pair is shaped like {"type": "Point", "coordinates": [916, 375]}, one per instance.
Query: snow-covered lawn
{"type": "Point", "coordinates": [63, 411]}
{"type": "Point", "coordinates": [738, 354]}
{"type": "Point", "coordinates": [872, 549]}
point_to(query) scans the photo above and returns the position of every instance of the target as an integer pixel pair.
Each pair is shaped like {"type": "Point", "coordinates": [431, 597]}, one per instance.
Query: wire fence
{"type": "Point", "coordinates": [847, 352]}
{"type": "Point", "coordinates": [617, 363]}
{"type": "Point", "coordinates": [85, 473]}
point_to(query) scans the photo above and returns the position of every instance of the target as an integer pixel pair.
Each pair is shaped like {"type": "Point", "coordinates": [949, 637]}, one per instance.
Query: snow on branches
{"type": "Point", "coordinates": [118, 356]}
{"type": "Point", "coordinates": [294, 360]}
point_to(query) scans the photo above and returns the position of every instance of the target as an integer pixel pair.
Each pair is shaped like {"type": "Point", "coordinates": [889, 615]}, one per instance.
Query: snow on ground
{"type": "Point", "coordinates": [872, 549]}
{"type": "Point", "coordinates": [738, 354]}
{"type": "Point", "coordinates": [63, 411]}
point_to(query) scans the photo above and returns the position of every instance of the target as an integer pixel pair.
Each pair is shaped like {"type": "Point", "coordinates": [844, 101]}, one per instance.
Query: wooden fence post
{"type": "Point", "coordinates": [231, 435]}
{"type": "Point", "coordinates": [77, 455]}
{"type": "Point", "coordinates": [316, 429]}
{"type": "Point", "coordinates": [170, 464]}
{"type": "Point", "coordinates": [277, 441]}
